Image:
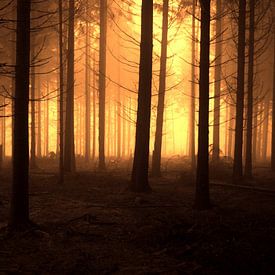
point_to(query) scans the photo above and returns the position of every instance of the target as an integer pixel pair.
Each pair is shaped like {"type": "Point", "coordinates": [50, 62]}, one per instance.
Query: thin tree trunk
{"type": "Point", "coordinates": [39, 153]}
{"type": "Point", "coordinates": [217, 94]}
{"type": "Point", "coordinates": [61, 96]}
{"type": "Point", "coordinates": [202, 200]}
{"type": "Point", "coordinates": [238, 152]}
{"type": "Point", "coordinates": [20, 175]}
{"type": "Point", "coordinates": [248, 158]}
{"type": "Point", "coordinates": [265, 127]}
{"type": "Point", "coordinates": [87, 92]}
{"type": "Point", "coordinates": [139, 181]}
{"type": "Point", "coordinates": [102, 82]}
{"type": "Point", "coordinates": [156, 160]}
{"type": "Point", "coordinates": [192, 126]}
{"type": "Point", "coordinates": [94, 106]}
{"type": "Point", "coordinates": [69, 150]}
{"type": "Point", "coordinates": [33, 87]}
{"type": "Point", "coordinates": [273, 110]}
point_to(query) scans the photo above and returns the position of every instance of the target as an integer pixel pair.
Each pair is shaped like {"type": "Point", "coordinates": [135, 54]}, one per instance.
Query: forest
{"type": "Point", "coordinates": [137, 137]}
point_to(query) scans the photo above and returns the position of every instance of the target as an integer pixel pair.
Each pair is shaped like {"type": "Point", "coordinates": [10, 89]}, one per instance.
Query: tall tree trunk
{"type": "Point", "coordinates": [217, 94]}
{"type": "Point", "coordinates": [192, 126]}
{"type": "Point", "coordinates": [46, 122]}
{"type": "Point", "coordinates": [202, 200]}
{"type": "Point", "coordinates": [69, 150]}
{"type": "Point", "coordinates": [20, 174]}
{"type": "Point", "coordinates": [102, 82]}
{"type": "Point", "coordinates": [156, 160]}
{"type": "Point", "coordinates": [61, 95]}
{"type": "Point", "coordinates": [87, 91]}
{"type": "Point", "coordinates": [255, 133]}
{"type": "Point", "coordinates": [94, 105]}
{"type": "Point", "coordinates": [33, 87]}
{"type": "Point", "coordinates": [248, 158]}
{"type": "Point", "coordinates": [265, 127]}
{"type": "Point", "coordinates": [139, 181]}
{"type": "Point", "coordinates": [238, 152]}
{"type": "Point", "coordinates": [273, 110]}
{"type": "Point", "coordinates": [39, 153]}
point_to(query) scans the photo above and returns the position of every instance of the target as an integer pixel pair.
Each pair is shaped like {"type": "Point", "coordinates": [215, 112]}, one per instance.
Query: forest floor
{"type": "Point", "coordinates": [92, 225]}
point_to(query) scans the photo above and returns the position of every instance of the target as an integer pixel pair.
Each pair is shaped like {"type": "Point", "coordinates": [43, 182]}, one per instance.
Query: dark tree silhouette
{"type": "Point", "coordinates": [238, 152]}
{"type": "Point", "coordinates": [61, 95]}
{"type": "Point", "coordinates": [102, 82]}
{"type": "Point", "coordinates": [156, 161]}
{"type": "Point", "coordinates": [249, 132]}
{"type": "Point", "coordinates": [218, 54]}
{"type": "Point", "coordinates": [202, 200]}
{"type": "Point", "coordinates": [273, 108]}
{"type": "Point", "coordinates": [69, 151]}
{"type": "Point", "coordinates": [20, 175]}
{"type": "Point", "coordinates": [139, 180]}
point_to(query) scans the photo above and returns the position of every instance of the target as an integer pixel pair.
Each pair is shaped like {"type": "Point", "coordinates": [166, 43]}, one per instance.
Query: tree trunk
{"type": "Point", "coordinates": [238, 152]}
{"type": "Point", "coordinates": [248, 158]}
{"type": "Point", "coordinates": [273, 110]}
{"type": "Point", "coordinates": [33, 87]}
{"type": "Point", "coordinates": [87, 92]}
{"type": "Point", "coordinates": [61, 96]}
{"type": "Point", "coordinates": [217, 94]}
{"type": "Point", "coordinates": [202, 200]}
{"type": "Point", "coordinates": [139, 181]}
{"type": "Point", "coordinates": [20, 174]}
{"type": "Point", "coordinates": [192, 126]}
{"type": "Point", "coordinates": [156, 160]}
{"type": "Point", "coordinates": [39, 153]}
{"type": "Point", "coordinates": [69, 150]}
{"type": "Point", "coordinates": [94, 105]}
{"type": "Point", "coordinates": [102, 82]}
{"type": "Point", "coordinates": [265, 127]}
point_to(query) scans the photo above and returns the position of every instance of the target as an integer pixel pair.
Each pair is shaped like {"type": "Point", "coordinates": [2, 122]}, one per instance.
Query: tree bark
{"type": "Point", "coordinates": [87, 91]}
{"type": "Point", "coordinates": [156, 160]}
{"type": "Point", "coordinates": [238, 152]}
{"type": "Point", "coordinates": [273, 110]}
{"type": "Point", "coordinates": [20, 175]}
{"type": "Point", "coordinates": [102, 82]}
{"type": "Point", "coordinates": [33, 87]}
{"type": "Point", "coordinates": [248, 158]}
{"type": "Point", "coordinates": [217, 93]}
{"type": "Point", "coordinates": [61, 96]}
{"type": "Point", "coordinates": [69, 150]}
{"type": "Point", "coordinates": [139, 181]}
{"type": "Point", "coordinates": [202, 200]}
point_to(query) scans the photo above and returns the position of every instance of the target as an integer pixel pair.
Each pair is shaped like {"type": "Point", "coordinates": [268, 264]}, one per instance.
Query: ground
{"type": "Point", "coordinates": [93, 225]}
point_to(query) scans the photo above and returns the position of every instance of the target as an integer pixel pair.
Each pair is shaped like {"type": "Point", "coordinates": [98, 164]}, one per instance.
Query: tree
{"type": "Point", "coordinates": [217, 95]}
{"type": "Point", "coordinates": [238, 151]}
{"type": "Point", "coordinates": [20, 175]}
{"type": "Point", "coordinates": [69, 151]}
{"type": "Point", "coordinates": [202, 200]}
{"type": "Point", "coordinates": [273, 109]}
{"type": "Point", "coordinates": [87, 89]}
{"type": "Point", "coordinates": [61, 95]}
{"type": "Point", "coordinates": [249, 132]}
{"type": "Point", "coordinates": [156, 161]}
{"type": "Point", "coordinates": [102, 82]}
{"type": "Point", "coordinates": [139, 180]}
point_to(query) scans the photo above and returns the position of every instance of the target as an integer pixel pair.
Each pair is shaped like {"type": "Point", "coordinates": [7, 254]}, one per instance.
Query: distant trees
{"type": "Point", "coordinates": [20, 175]}
{"type": "Point", "coordinates": [139, 180]}
{"type": "Point", "coordinates": [202, 200]}
{"type": "Point", "coordinates": [273, 107]}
